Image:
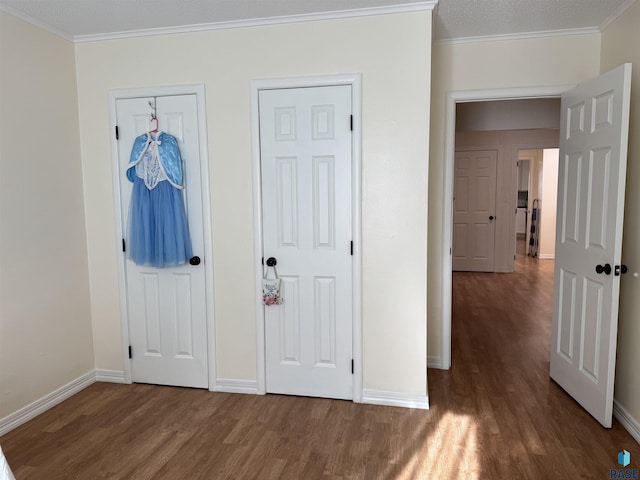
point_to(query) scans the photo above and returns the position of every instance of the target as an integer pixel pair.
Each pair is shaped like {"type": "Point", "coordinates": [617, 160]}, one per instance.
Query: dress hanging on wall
{"type": "Point", "coordinates": [158, 230]}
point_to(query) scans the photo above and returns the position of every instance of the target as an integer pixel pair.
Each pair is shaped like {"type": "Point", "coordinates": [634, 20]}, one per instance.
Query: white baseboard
{"type": "Point", "coordinates": [109, 376]}
{"type": "Point", "coordinates": [229, 385]}
{"type": "Point", "coordinates": [434, 362]}
{"type": "Point", "coordinates": [395, 399]}
{"type": "Point", "coordinates": [628, 422]}
{"type": "Point", "coordinates": [15, 419]}
{"type": "Point", "coordinates": [546, 256]}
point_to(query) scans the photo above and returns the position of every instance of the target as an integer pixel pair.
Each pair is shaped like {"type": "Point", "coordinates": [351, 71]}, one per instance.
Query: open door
{"type": "Point", "coordinates": [594, 126]}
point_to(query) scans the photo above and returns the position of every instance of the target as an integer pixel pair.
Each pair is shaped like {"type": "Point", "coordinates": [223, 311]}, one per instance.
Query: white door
{"type": "Point", "coordinates": [593, 159]}
{"type": "Point", "coordinates": [166, 306]}
{"type": "Point", "coordinates": [305, 148]}
{"type": "Point", "coordinates": [474, 207]}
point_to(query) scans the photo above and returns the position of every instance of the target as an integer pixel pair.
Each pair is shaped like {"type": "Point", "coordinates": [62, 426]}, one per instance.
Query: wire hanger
{"type": "Point", "coordinates": [154, 118]}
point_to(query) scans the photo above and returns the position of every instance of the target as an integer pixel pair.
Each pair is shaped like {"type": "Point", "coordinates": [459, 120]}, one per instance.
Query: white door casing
{"type": "Point", "coordinates": [306, 164]}
{"type": "Point", "coordinates": [167, 309]}
{"type": "Point", "coordinates": [593, 157]}
{"type": "Point", "coordinates": [474, 208]}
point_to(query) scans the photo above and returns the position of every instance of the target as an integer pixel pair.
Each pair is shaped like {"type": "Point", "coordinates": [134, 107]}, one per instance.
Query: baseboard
{"type": "Point", "coordinates": [395, 399]}
{"type": "Point", "coordinates": [109, 376]}
{"type": "Point", "coordinates": [630, 424]}
{"type": "Point", "coordinates": [546, 256]}
{"type": "Point", "coordinates": [434, 362]}
{"type": "Point", "coordinates": [229, 385]}
{"type": "Point", "coordinates": [15, 419]}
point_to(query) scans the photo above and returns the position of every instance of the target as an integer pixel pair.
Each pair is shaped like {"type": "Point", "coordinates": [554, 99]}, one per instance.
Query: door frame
{"type": "Point", "coordinates": [199, 91]}
{"type": "Point", "coordinates": [454, 97]}
{"type": "Point", "coordinates": [355, 81]}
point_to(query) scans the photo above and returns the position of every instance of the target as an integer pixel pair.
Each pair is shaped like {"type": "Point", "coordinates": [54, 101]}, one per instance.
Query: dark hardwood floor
{"type": "Point", "coordinates": [494, 415]}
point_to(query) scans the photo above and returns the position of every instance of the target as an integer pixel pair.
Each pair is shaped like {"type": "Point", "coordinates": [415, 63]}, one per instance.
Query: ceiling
{"type": "Point", "coordinates": [456, 20]}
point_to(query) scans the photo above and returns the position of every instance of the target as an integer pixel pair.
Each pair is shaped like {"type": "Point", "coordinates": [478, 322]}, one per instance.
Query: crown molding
{"type": "Point", "coordinates": [611, 18]}
{"type": "Point", "coordinates": [427, 5]}
{"type": "Point", "coordinates": [36, 23]}
{"type": "Point", "coordinates": [518, 36]}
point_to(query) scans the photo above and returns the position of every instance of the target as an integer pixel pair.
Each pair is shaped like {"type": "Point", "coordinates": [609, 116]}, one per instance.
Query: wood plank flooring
{"type": "Point", "coordinates": [494, 415]}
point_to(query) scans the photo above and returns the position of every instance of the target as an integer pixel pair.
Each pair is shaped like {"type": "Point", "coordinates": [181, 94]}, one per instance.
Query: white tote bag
{"type": "Point", "coordinates": [271, 288]}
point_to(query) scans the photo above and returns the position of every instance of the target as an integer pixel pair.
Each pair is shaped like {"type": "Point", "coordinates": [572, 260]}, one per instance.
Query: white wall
{"type": "Point", "coordinates": [45, 329]}
{"type": "Point", "coordinates": [620, 44]}
{"type": "Point", "coordinates": [490, 65]}
{"type": "Point", "coordinates": [393, 54]}
{"type": "Point", "coordinates": [549, 199]}
{"type": "Point", "coordinates": [508, 115]}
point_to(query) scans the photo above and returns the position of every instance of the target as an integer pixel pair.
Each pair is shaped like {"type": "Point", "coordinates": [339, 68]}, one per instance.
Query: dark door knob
{"type": "Point", "coordinates": [194, 260]}
{"type": "Point", "coordinates": [619, 269]}
{"type": "Point", "coordinates": [272, 262]}
{"type": "Point", "coordinates": [491, 217]}
{"type": "Point", "coordinates": [606, 269]}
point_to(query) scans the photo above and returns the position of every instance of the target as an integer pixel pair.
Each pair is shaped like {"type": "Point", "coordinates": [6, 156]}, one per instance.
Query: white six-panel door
{"type": "Point", "coordinates": [166, 307]}
{"type": "Point", "coordinates": [474, 208]}
{"type": "Point", "coordinates": [593, 157]}
{"type": "Point", "coordinates": [305, 145]}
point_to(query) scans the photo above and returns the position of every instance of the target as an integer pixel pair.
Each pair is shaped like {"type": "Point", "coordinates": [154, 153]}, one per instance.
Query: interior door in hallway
{"type": "Point", "coordinates": [593, 158]}
{"type": "Point", "coordinates": [474, 206]}
{"type": "Point", "coordinates": [305, 148]}
{"type": "Point", "coordinates": [166, 306]}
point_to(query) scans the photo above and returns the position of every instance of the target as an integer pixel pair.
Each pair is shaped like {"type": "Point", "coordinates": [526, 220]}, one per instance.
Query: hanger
{"type": "Point", "coordinates": [154, 126]}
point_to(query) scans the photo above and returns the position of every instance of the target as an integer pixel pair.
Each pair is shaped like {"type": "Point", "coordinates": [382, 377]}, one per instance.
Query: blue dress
{"type": "Point", "coordinates": [158, 233]}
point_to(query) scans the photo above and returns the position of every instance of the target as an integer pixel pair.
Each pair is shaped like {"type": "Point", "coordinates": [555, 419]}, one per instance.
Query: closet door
{"type": "Point", "coordinates": [305, 149]}
{"type": "Point", "coordinates": [167, 306]}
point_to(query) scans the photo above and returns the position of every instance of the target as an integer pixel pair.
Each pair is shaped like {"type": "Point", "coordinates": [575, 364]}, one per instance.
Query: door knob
{"type": "Point", "coordinates": [194, 260]}
{"type": "Point", "coordinates": [272, 262]}
{"type": "Point", "coordinates": [619, 269]}
{"type": "Point", "coordinates": [606, 269]}
{"type": "Point", "coordinates": [491, 217]}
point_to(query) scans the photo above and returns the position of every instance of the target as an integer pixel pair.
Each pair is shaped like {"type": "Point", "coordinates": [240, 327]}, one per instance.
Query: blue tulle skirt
{"type": "Point", "coordinates": [158, 230]}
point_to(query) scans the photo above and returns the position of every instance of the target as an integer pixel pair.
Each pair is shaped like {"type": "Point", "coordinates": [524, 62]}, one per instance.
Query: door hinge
{"type": "Point", "coordinates": [130, 352]}
{"type": "Point", "coordinates": [124, 245]}
{"type": "Point", "coordinates": [450, 251]}
{"type": "Point", "coordinates": [117, 133]}
{"type": "Point", "coordinates": [352, 366]}
{"type": "Point", "coordinates": [351, 122]}
{"type": "Point", "coordinates": [352, 247]}
{"type": "Point", "coordinates": [514, 257]}
{"type": "Point", "coordinates": [516, 212]}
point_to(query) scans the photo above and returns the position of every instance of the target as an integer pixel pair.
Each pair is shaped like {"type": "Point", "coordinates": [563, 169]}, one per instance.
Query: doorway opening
{"type": "Point", "coordinates": [493, 208]}
{"type": "Point", "coordinates": [506, 213]}
{"type": "Point", "coordinates": [537, 203]}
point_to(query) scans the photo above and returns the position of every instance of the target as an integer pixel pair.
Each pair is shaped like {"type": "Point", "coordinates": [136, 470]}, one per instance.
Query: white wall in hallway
{"type": "Point", "coordinates": [549, 200]}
